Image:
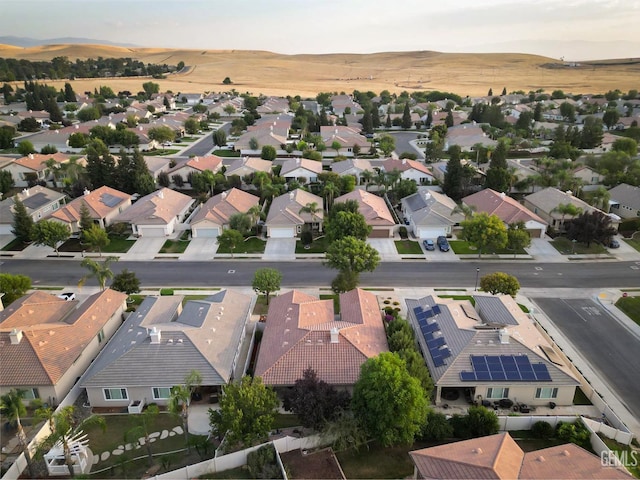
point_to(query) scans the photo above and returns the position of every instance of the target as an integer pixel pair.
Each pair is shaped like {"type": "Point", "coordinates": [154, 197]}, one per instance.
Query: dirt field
{"type": "Point", "coordinates": [306, 75]}
{"type": "Point", "coordinates": [318, 465]}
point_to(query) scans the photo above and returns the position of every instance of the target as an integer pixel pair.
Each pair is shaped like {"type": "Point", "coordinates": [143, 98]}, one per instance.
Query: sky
{"type": "Point", "coordinates": [569, 29]}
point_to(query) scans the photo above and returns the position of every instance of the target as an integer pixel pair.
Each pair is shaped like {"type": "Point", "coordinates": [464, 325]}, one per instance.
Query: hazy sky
{"type": "Point", "coordinates": [573, 29]}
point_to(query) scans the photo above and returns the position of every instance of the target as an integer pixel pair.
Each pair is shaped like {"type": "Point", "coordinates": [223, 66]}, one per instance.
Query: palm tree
{"type": "Point", "coordinates": [53, 169]}
{"type": "Point", "coordinates": [99, 270]}
{"type": "Point", "coordinates": [366, 177]}
{"type": "Point", "coordinates": [392, 178]}
{"type": "Point", "coordinates": [180, 400]}
{"type": "Point", "coordinates": [380, 180]}
{"type": "Point", "coordinates": [600, 199]}
{"type": "Point", "coordinates": [143, 429]}
{"type": "Point", "coordinates": [65, 428]}
{"type": "Point", "coordinates": [255, 213]}
{"type": "Point", "coordinates": [464, 209]}
{"type": "Point", "coordinates": [312, 209]}
{"type": "Point", "coordinates": [12, 406]}
{"type": "Point", "coordinates": [330, 190]}
{"type": "Point", "coordinates": [567, 209]}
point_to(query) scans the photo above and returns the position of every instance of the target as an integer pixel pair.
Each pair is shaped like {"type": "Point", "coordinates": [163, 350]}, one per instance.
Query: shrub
{"type": "Point", "coordinates": [262, 463]}
{"type": "Point", "coordinates": [542, 429]}
{"type": "Point", "coordinates": [437, 428]}
{"type": "Point", "coordinates": [402, 231]}
{"type": "Point", "coordinates": [306, 237]}
{"type": "Point", "coordinates": [166, 291]}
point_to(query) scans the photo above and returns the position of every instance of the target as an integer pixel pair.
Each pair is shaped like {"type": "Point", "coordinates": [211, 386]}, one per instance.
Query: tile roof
{"type": "Point", "coordinates": [36, 161]}
{"type": "Point", "coordinates": [549, 198]}
{"type": "Point", "coordinates": [205, 336]}
{"type": "Point", "coordinates": [357, 164]}
{"type": "Point", "coordinates": [249, 163]}
{"type": "Point", "coordinates": [285, 209]}
{"type": "Point", "coordinates": [298, 335]}
{"type": "Point", "coordinates": [372, 207]}
{"type": "Point", "coordinates": [428, 207]}
{"type": "Point", "coordinates": [208, 162]}
{"type": "Point", "coordinates": [219, 208]}
{"type": "Point", "coordinates": [626, 195]}
{"type": "Point", "coordinates": [54, 334]}
{"type": "Point", "coordinates": [404, 164]}
{"type": "Point", "coordinates": [292, 164]}
{"type": "Point", "coordinates": [503, 206]}
{"type": "Point", "coordinates": [159, 207]}
{"type": "Point", "coordinates": [33, 198]}
{"type": "Point", "coordinates": [101, 202]}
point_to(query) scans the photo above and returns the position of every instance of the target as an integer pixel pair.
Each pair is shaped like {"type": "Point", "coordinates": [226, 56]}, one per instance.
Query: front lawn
{"type": "Point", "coordinates": [460, 297]}
{"type": "Point", "coordinates": [174, 246]}
{"type": "Point", "coordinates": [117, 244]}
{"type": "Point", "coordinates": [226, 153]}
{"type": "Point", "coordinates": [15, 245]}
{"type": "Point", "coordinates": [161, 153]}
{"type": "Point", "coordinates": [635, 243]}
{"type": "Point", "coordinates": [462, 247]}
{"type": "Point", "coordinates": [250, 245]}
{"type": "Point", "coordinates": [631, 307]}
{"type": "Point", "coordinates": [408, 247]}
{"type": "Point", "coordinates": [319, 245]}
{"type": "Point", "coordinates": [567, 247]}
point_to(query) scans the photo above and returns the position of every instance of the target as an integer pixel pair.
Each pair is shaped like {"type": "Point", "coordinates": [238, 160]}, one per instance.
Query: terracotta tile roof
{"type": "Point", "coordinates": [403, 165]}
{"type": "Point", "coordinates": [54, 334]}
{"type": "Point", "coordinates": [285, 209]}
{"type": "Point", "coordinates": [158, 207]}
{"type": "Point", "coordinates": [219, 208]}
{"type": "Point", "coordinates": [100, 202]}
{"type": "Point", "coordinates": [209, 162]}
{"type": "Point", "coordinates": [250, 163]}
{"type": "Point", "coordinates": [294, 163]}
{"type": "Point", "coordinates": [372, 207]}
{"type": "Point", "coordinates": [504, 207]}
{"type": "Point", "coordinates": [298, 335]}
{"type": "Point", "coordinates": [36, 161]}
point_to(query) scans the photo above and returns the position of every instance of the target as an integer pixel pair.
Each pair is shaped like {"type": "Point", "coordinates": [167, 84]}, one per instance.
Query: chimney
{"type": "Point", "coordinates": [504, 336]}
{"type": "Point", "coordinates": [334, 335]}
{"type": "Point", "coordinates": [502, 194]}
{"type": "Point", "coordinates": [86, 191]}
{"type": "Point", "coordinates": [15, 336]}
{"type": "Point", "coordinates": [297, 161]}
{"type": "Point", "coordinates": [224, 195]}
{"type": "Point", "coordinates": [31, 156]}
{"type": "Point", "coordinates": [291, 195]}
{"type": "Point", "coordinates": [569, 192]}
{"type": "Point", "coordinates": [427, 195]}
{"type": "Point", "coordinates": [25, 192]}
{"type": "Point", "coordinates": [404, 161]}
{"type": "Point", "coordinates": [155, 336]}
{"type": "Point", "coordinates": [160, 194]}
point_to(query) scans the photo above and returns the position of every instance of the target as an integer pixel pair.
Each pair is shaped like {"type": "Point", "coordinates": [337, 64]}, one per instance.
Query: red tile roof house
{"type": "Point", "coordinates": [410, 169]}
{"type": "Point", "coordinates": [506, 209]}
{"type": "Point", "coordinates": [32, 168]}
{"type": "Point", "coordinates": [302, 331]}
{"type": "Point", "coordinates": [499, 457]}
{"type": "Point", "coordinates": [46, 343]}
{"type": "Point", "coordinates": [214, 215]}
{"type": "Point", "coordinates": [194, 165]}
{"type": "Point", "coordinates": [104, 204]}
{"type": "Point", "coordinates": [39, 202]}
{"type": "Point", "coordinates": [285, 220]}
{"type": "Point", "coordinates": [157, 214]}
{"type": "Point", "coordinates": [375, 212]}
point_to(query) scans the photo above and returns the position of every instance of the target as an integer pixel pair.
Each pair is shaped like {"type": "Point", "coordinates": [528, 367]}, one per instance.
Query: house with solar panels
{"type": "Point", "coordinates": [488, 353]}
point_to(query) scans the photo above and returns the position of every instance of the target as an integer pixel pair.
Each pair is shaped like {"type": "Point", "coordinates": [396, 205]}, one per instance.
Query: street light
{"type": "Point", "coordinates": [477, 275]}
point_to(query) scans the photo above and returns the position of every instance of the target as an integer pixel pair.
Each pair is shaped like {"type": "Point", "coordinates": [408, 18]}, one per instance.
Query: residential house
{"type": "Point", "coordinates": [158, 214]}
{"type": "Point", "coordinates": [466, 136]}
{"type": "Point", "coordinates": [46, 343]}
{"type": "Point", "coordinates": [588, 176]}
{"type": "Point", "coordinates": [499, 456]}
{"type": "Point", "coordinates": [545, 202]}
{"type": "Point", "coordinates": [506, 209]}
{"type": "Point", "coordinates": [430, 214]}
{"type": "Point", "coordinates": [40, 116]}
{"type": "Point", "coordinates": [27, 171]}
{"type": "Point", "coordinates": [341, 104]}
{"type": "Point", "coordinates": [285, 220]}
{"type": "Point", "coordinates": [303, 332]}
{"type": "Point", "coordinates": [190, 98]}
{"type": "Point", "coordinates": [159, 345]}
{"type": "Point", "coordinates": [39, 202]}
{"type": "Point", "coordinates": [353, 166]}
{"type": "Point", "coordinates": [157, 165]}
{"type": "Point", "coordinates": [347, 137]}
{"type": "Point", "coordinates": [409, 169]}
{"type": "Point", "coordinates": [214, 215]}
{"type": "Point", "coordinates": [273, 105]}
{"type": "Point", "coordinates": [103, 203]}
{"type": "Point", "coordinates": [245, 166]}
{"type": "Point", "coordinates": [374, 210]}
{"type": "Point", "coordinates": [304, 170]}
{"type": "Point", "coordinates": [491, 352]}
{"type": "Point", "coordinates": [625, 201]}
{"type": "Point", "coordinates": [185, 168]}
{"type": "Point", "coordinates": [275, 137]}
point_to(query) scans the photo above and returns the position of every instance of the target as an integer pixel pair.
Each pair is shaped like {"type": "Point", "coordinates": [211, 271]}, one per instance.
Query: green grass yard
{"type": "Point", "coordinates": [635, 243]}
{"type": "Point", "coordinates": [567, 247]}
{"type": "Point", "coordinates": [174, 246]}
{"type": "Point", "coordinates": [319, 245]}
{"type": "Point", "coordinates": [15, 245]}
{"type": "Point", "coordinates": [631, 307]}
{"type": "Point", "coordinates": [250, 245]}
{"type": "Point", "coordinates": [408, 247]}
{"type": "Point", "coordinates": [462, 247]}
{"type": "Point", "coordinates": [226, 153]}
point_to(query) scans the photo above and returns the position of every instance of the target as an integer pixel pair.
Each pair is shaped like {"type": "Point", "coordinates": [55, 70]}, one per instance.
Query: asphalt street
{"type": "Point", "coordinates": [204, 146]}
{"type": "Point", "coordinates": [606, 344]}
{"type": "Point", "coordinates": [303, 273]}
{"type": "Point", "coordinates": [403, 145]}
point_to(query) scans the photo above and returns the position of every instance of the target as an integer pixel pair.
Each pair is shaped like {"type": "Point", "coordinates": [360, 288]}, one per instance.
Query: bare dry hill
{"type": "Point", "coordinates": [277, 74]}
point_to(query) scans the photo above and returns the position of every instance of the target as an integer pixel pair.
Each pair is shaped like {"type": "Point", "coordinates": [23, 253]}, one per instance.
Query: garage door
{"type": "Point", "coordinates": [152, 231]}
{"type": "Point", "coordinates": [206, 232]}
{"type": "Point", "coordinates": [430, 232]}
{"type": "Point", "coordinates": [282, 232]}
{"type": "Point", "coordinates": [380, 233]}
{"type": "Point", "coordinates": [536, 233]}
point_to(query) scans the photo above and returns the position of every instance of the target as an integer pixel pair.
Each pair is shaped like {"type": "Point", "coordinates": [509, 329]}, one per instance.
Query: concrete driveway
{"type": "Point", "coordinates": [145, 248]}
{"type": "Point", "coordinates": [386, 248]}
{"type": "Point", "coordinates": [280, 249]}
{"type": "Point", "coordinates": [200, 249]}
{"type": "Point", "coordinates": [542, 250]}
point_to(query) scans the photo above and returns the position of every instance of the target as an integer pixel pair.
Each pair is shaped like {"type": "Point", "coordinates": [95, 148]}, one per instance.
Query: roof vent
{"type": "Point", "coordinates": [334, 335]}
{"type": "Point", "coordinates": [86, 191]}
{"type": "Point", "coordinates": [566, 453]}
{"type": "Point", "coordinates": [155, 336]}
{"type": "Point", "coordinates": [569, 192]}
{"type": "Point", "coordinates": [15, 336]}
{"type": "Point", "coordinates": [504, 336]}
{"type": "Point", "coordinates": [478, 451]}
{"type": "Point", "coordinates": [291, 195]}
{"type": "Point", "coordinates": [540, 459]}
{"type": "Point", "coordinates": [31, 155]}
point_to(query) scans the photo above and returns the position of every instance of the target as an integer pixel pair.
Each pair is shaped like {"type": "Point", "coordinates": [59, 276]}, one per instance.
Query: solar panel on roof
{"type": "Point", "coordinates": [528, 375]}
{"type": "Point", "coordinates": [417, 310]}
{"type": "Point", "coordinates": [467, 376]}
{"type": "Point", "coordinates": [438, 361]}
{"type": "Point", "coordinates": [436, 342]}
{"type": "Point", "coordinates": [436, 309]}
{"type": "Point", "coordinates": [522, 360]}
{"type": "Point", "coordinates": [498, 376]}
{"type": "Point", "coordinates": [427, 336]}
{"type": "Point", "coordinates": [428, 313]}
{"type": "Point", "coordinates": [541, 372]}
{"type": "Point", "coordinates": [483, 375]}
{"type": "Point", "coordinates": [422, 322]}
{"type": "Point", "coordinates": [110, 200]}
{"type": "Point", "coordinates": [445, 353]}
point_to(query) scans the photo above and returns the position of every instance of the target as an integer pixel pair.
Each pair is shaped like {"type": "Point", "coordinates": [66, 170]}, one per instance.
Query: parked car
{"type": "Point", "coordinates": [429, 245]}
{"type": "Point", "coordinates": [614, 244]}
{"type": "Point", "coordinates": [443, 245]}
{"type": "Point", "coordinates": [68, 296]}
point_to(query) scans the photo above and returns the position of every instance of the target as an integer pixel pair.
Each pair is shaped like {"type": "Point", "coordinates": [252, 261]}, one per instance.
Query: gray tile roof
{"type": "Point", "coordinates": [427, 207]}
{"type": "Point", "coordinates": [493, 311]}
{"type": "Point", "coordinates": [626, 195]}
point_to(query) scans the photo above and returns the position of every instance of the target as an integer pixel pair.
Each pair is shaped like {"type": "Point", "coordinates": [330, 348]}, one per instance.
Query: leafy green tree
{"type": "Point", "coordinates": [449, 121]}
{"type": "Point", "coordinates": [88, 114]}
{"type": "Point", "coordinates": [229, 109]}
{"type": "Point", "coordinates": [161, 134]}
{"type": "Point", "coordinates": [29, 124]}
{"type": "Point", "coordinates": [626, 145]}
{"type": "Point", "coordinates": [150, 88]}
{"type": "Point", "coordinates": [227, 81]}
{"type": "Point", "coordinates": [436, 428]}
{"type": "Point", "coordinates": [453, 177]}
{"type": "Point", "coordinates": [406, 117]}
{"type": "Point", "coordinates": [79, 140]}
{"type": "Point", "coordinates": [482, 422]}
{"type": "Point", "coordinates": [86, 221]}
{"type": "Point", "coordinates": [314, 401]}
{"type": "Point", "coordinates": [565, 209]}
{"type": "Point", "coordinates": [600, 199]}
{"type": "Point", "coordinates": [240, 222]}
{"type": "Point", "coordinates": [126, 282]}
{"type": "Point", "coordinates": [96, 238]}
{"type": "Point", "coordinates": [500, 282]}
{"type": "Point", "coordinates": [387, 144]}
{"type": "Point", "coordinates": [65, 427]}
{"type": "Point", "coordinates": [344, 224]}
{"type": "Point", "coordinates": [591, 227]}
{"type": "Point", "coordinates": [101, 166]}
{"type": "Point", "coordinates": [344, 282]}
{"type": "Point", "coordinates": [220, 138]}
{"type": "Point", "coordinates": [6, 136]}
{"type": "Point", "coordinates": [144, 424]}
{"type": "Point", "coordinates": [191, 126]}
{"type": "Point", "coordinates": [266, 281]}
{"type": "Point", "coordinates": [568, 112]}
{"type": "Point", "coordinates": [69, 94]}
{"type": "Point", "coordinates": [13, 287]}
{"type": "Point", "coordinates": [485, 232]}
{"type": "Point", "coordinates": [268, 153]}
{"type": "Point", "coordinates": [180, 399]}
{"type": "Point", "coordinates": [350, 254]}
{"type": "Point", "coordinates": [389, 402]}
{"type": "Point", "coordinates": [247, 412]}
{"type": "Point", "coordinates": [25, 147]}
{"type": "Point", "coordinates": [591, 132]}
{"type": "Point", "coordinates": [230, 239]}
{"type": "Point", "coordinates": [23, 224]}
{"type": "Point", "coordinates": [50, 233]}
{"type": "Point", "coordinates": [518, 237]}
{"type": "Point", "coordinates": [610, 118]}
{"type": "Point", "coordinates": [99, 270]}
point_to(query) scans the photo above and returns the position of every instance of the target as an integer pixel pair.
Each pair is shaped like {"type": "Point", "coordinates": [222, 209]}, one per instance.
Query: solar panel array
{"type": "Point", "coordinates": [436, 344]}
{"type": "Point", "coordinates": [110, 200]}
{"type": "Point", "coordinates": [505, 368]}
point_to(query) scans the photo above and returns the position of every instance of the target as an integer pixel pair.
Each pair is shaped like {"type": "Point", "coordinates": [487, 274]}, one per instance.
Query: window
{"type": "Point", "coordinates": [546, 392]}
{"type": "Point", "coordinates": [31, 393]}
{"type": "Point", "coordinates": [100, 336]}
{"type": "Point", "coordinates": [161, 393]}
{"type": "Point", "coordinates": [497, 392]}
{"type": "Point", "coordinates": [115, 394]}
